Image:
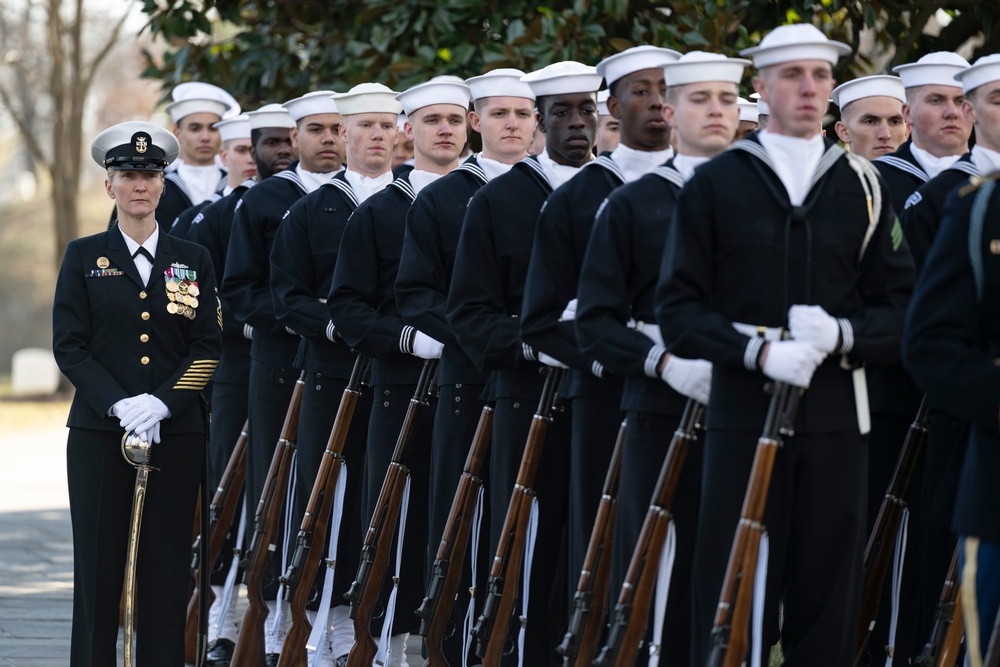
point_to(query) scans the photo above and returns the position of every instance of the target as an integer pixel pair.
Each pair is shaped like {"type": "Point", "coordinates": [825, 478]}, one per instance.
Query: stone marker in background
{"type": "Point", "coordinates": [34, 372]}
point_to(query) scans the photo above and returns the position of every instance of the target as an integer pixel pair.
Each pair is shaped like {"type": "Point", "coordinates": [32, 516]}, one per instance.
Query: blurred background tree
{"type": "Point", "coordinates": [272, 50]}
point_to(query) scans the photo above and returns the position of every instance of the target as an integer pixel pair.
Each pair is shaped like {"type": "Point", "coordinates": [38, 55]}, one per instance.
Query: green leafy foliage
{"type": "Point", "coordinates": [272, 50]}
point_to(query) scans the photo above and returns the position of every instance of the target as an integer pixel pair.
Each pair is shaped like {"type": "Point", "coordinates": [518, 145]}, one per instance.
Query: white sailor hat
{"type": "Point", "coordinates": [631, 60]}
{"type": "Point", "coordinates": [503, 82]}
{"type": "Point", "coordinates": [762, 107]}
{"type": "Point", "coordinates": [234, 128]}
{"type": "Point", "coordinates": [368, 98]}
{"type": "Point", "coordinates": [435, 92]}
{"type": "Point", "coordinates": [701, 66]}
{"type": "Point", "coordinates": [270, 115]}
{"type": "Point", "coordinates": [748, 109]}
{"type": "Point", "coordinates": [311, 104]}
{"type": "Point", "coordinates": [195, 97]}
{"type": "Point", "coordinates": [801, 41]}
{"type": "Point", "coordinates": [934, 69]}
{"type": "Point", "coordinates": [401, 120]}
{"type": "Point", "coordinates": [563, 78]}
{"type": "Point", "coordinates": [448, 78]}
{"type": "Point", "coordinates": [602, 102]}
{"type": "Point", "coordinates": [879, 85]}
{"type": "Point", "coordinates": [984, 70]}
{"type": "Point", "coordinates": [135, 146]}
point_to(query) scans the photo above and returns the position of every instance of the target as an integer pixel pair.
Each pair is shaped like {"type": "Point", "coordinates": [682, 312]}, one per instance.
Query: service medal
{"type": "Point", "coordinates": [172, 308]}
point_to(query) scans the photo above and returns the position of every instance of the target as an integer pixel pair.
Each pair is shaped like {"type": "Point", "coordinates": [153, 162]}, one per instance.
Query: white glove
{"type": "Point", "coordinates": [119, 408]}
{"type": "Point", "coordinates": [569, 312]}
{"type": "Point", "coordinates": [426, 347]}
{"type": "Point", "coordinates": [154, 433]}
{"type": "Point", "coordinates": [551, 361]}
{"type": "Point", "coordinates": [689, 377]}
{"type": "Point", "coordinates": [792, 361]}
{"type": "Point", "coordinates": [651, 331]}
{"type": "Point", "coordinates": [145, 411]}
{"type": "Point", "coordinates": [812, 324]}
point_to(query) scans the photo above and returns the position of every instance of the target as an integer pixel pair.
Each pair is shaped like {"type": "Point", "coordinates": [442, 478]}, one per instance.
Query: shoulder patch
{"type": "Point", "coordinates": [896, 234]}
{"type": "Point", "coordinates": [913, 200]}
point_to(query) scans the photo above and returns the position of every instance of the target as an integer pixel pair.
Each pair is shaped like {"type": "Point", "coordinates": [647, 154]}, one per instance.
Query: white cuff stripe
{"type": "Point", "coordinates": [653, 360]}
{"type": "Point", "coordinates": [291, 331]}
{"type": "Point", "coordinates": [248, 332]}
{"type": "Point", "coordinates": [846, 335]}
{"type": "Point", "coordinates": [597, 369]}
{"type": "Point", "coordinates": [751, 353]}
{"type": "Point", "coordinates": [528, 353]}
{"type": "Point", "coordinates": [405, 340]}
{"type": "Point", "coordinates": [330, 329]}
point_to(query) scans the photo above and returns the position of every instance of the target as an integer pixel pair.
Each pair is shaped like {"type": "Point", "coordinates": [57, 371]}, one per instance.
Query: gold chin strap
{"type": "Point", "coordinates": [137, 452]}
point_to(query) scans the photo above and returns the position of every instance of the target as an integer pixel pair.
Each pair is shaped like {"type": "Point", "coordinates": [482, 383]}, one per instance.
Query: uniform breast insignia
{"type": "Point", "coordinates": [182, 290]}
{"type": "Point", "coordinates": [976, 182]}
{"type": "Point", "coordinates": [103, 263]}
{"type": "Point", "coordinates": [104, 273]}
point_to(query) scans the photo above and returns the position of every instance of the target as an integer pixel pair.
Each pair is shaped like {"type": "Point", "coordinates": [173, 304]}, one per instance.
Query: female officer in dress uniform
{"type": "Point", "coordinates": [137, 330]}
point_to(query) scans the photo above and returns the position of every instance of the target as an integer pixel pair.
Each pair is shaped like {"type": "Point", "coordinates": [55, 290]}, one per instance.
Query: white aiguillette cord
{"type": "Point", "coordinates": [321, 626]}
{"type": "Point", "coordinates": [897, 582]}
{"type": "Point", "coordinates": [278, 623]}
{"type": "Point", "coordinates": [382, 656]}
{"type": "Point", "coordinates": [470, 612]}
{"type": "Point", "coordinates": [529, 556]}
{"type": "Point", "coordinates": [230, 585]}
{"type": "Point", "coordinates": [759, 594]}
{"type": "Point", "coordinates": [664, 573]}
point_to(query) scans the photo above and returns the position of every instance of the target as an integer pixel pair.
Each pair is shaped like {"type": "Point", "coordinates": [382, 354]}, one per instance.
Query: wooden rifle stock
{"type": "Point", "coordinates": [435, 610]}
{"type": "Point", "coordinates": [882, 541]}
{"type": "Point", "coordinates": [223, 513]}
{"type": "Point", "coordinates": [313, 531]}
{"type": "Point", "coordinates": [579, 645]}
{"type": "Point", "coordinates": [946, 635]}
{"type": "Point", "coordinates": [491, 627]}
{"type": "Point", "coordinates": [249, 651]}
{"type": "Point", "coordinates": [631, 615]}
{"type": "Point", "coordinates": [364, 591]}
{"type": "Point", "coordinates": [729, 641]}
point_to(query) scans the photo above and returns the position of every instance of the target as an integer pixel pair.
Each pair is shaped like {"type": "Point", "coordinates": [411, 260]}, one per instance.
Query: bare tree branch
{"type": "Point", "coordinates": [95, 63]}
{"type": "Point", "coordinates": [24, 129]}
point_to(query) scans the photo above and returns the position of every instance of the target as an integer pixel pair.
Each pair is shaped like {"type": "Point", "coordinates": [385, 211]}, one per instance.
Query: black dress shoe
{"type": "Point", "coordinates": [271, 659]}
{"type": "Point", "coordinates": [220, 653]}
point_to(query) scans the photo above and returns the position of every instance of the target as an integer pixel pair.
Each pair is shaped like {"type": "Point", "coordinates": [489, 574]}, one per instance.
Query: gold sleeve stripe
{"type": "Point", "coordinates": [197, 375]}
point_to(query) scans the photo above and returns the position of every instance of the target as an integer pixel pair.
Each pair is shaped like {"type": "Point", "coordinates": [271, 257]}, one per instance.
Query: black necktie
{"type": "Point", "coordinates": [145, 253]}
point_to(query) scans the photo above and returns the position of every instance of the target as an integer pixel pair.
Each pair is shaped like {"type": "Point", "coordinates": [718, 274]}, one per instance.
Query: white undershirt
{"type": "Point", "coordinates": [931, 164]}
{"type": "Point", "coordinates": [365, 186]}
{"type": "Point", "coordinates": [201, 182]}
{"type": "Point", "coordinates": [142, 263]}
{"type": "Point", "coordinates": [313, 180]}
{"type": "Point", "coordinates": [556, 173]}
{"type": "Point", "coordinates": [492, 167]}
{"type": "Point", "coordinates": [986, 160]}
{"type": "Point", "coordinates": [636, 164]}
{"type": "Point", "coordinates": [795, 161]}
{"type": "Point", "coordinates": [686, 164]}
{"type": "Point", "coordinates": [420, 179]}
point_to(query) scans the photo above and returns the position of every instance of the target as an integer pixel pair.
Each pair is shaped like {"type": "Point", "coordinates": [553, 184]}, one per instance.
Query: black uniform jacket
{"type": "Point", "coordinates": [618, 283]}
{"type": "Point", "coordinates": [212, 227]}
{"type": "Point", "coordinates": [247, 283]}
{"type": "Point", "coordinates": [302, 261]}
{"type": "Point", "coordinates": [113, 338]}
{"type": "Point", "coordinates": [560, 241]}
{"type": "Point", "coordinates": [181, 226]}
{"type": "Point", "coordinates": [362, 301]}
{"type": "Point", "coordinates": [433, 225]}
{"type": "Point", "coordinates": [177, 198]}
{"type": "Point", "coordinates": [902, 174]}
{"type": "Point", "coordinates": [952, 348]}
{"type": "Point", "coordinates": [725, 262]}
{"type": "Point", "coordinates": [924, 208]}
{"type": "Point", "coordinates": [488, 284]}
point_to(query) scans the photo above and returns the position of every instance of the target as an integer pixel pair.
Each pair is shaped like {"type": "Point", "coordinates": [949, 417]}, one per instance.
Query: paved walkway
{"type": "Point", "coordinates": [36, 552]}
